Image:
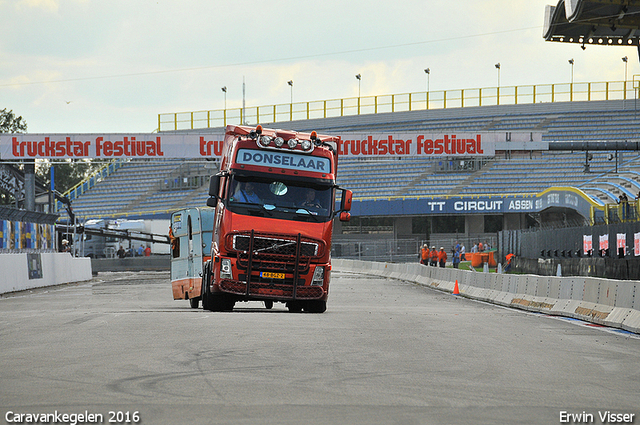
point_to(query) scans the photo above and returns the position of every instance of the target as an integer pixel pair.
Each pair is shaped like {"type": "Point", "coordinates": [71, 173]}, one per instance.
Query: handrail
{"type": "Point", "coordinates": [622, 212]}
{"type": "Point", "coordinates": [456, 98]}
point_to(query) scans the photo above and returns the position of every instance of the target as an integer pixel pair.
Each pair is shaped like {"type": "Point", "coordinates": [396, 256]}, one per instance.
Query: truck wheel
{"type": "Point", "coordinates": [316, 306]}
{"type": "Point", "coordinates": [206, 296]}
{"type": "Point", "coordinates": [268, 305]}
{"type": "Point", "coordinates": [194, 302]}
{"type": "Point", "coordinates": [221, 302]}
{"type": "Point", "coordinates": [294, 306]}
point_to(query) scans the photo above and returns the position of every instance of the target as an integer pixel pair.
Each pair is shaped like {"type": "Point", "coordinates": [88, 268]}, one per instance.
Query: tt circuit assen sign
{"type": "Point", "coordinates": [558, 197]}
{"type": "Point", "coordinates": [161, 145]}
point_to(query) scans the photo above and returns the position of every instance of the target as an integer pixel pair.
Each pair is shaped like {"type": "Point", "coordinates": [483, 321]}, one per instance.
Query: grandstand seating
{"type": "Point", "coordinates": [138, 188]}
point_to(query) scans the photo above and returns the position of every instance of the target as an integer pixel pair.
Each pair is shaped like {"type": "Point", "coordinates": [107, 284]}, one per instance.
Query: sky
{"type": "Point", "coordinates": [111, 66]}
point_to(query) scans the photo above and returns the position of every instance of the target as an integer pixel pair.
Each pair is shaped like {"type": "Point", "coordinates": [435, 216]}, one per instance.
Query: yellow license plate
{"type": "Point", "coordinates": [269, 275]}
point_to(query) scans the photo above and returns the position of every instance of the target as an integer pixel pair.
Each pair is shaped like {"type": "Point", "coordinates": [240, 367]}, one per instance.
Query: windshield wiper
{"type": "Point", "coordinates": [305, 212]}
{"type": "Point", "coordinates": [253, 207]}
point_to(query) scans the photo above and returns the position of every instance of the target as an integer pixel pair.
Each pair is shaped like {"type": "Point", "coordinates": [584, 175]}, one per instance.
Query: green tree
{"type": "Point", "coordinates": [9, 123]}
{"type": "Point", "coordinates": [66, 174]}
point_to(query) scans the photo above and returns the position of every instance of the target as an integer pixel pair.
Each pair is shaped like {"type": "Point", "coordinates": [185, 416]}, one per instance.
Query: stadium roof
{"type": "Point", "coordinates": [602, 22]}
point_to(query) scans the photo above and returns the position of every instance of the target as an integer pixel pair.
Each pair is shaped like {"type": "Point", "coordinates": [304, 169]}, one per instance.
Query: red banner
{"type": "Point", "coordinates": [201, 145]}
{"type": "Point", "coordinates": [604, 242]}
{"type": "Point", "coordinates": [621, 239]}
{"type": "Point", "coordinates": [587, 243]}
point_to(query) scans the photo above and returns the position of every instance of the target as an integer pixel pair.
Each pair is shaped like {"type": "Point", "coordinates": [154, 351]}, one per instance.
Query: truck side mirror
{"type": "Point", "coordinates": [214, 188]}
{"type": "Point", "coordinates": [347, 195]}
{"type": "Point", "coordinates": [214, 185]}
{"type": "Point", "coordinates": [345, 216]}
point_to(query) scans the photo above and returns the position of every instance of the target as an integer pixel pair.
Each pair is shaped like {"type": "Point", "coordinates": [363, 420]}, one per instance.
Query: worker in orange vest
{"type": "Point", "coordinates": [424, 255]}
{"type": "Point", "coordinates": [509, 259]}
{"type": "Point", "coordinates": [442, 257]}
{"type": "Point", "coordinates": [433, 257]}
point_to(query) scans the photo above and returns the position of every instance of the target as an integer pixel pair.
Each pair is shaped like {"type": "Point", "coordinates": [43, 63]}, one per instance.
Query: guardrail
{"type": "Point", "coordinates": [456, 98]}
{"type": "Point", "coordinates": [608, 302]}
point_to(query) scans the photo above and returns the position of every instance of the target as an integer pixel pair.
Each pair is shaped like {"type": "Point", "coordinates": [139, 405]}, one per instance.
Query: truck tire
{"type": "Point", "coordinates": [221, 302]}
{"type": "Point", "coordinates": [194, 302]}
{"type": "Point", "coordinates": [205, 294]}
{"type": "Point", "coordinates": [316, 306]}
{"type": "Point", "coordinates": [294, 306]}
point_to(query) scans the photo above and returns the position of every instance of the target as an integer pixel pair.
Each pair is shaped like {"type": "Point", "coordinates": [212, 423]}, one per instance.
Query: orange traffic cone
{"type": "Point", "coordinates": [456, 291]}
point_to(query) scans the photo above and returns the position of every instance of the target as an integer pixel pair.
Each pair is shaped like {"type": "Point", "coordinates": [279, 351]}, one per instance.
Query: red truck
{"type": "Point", "coordinates": [275, 201]}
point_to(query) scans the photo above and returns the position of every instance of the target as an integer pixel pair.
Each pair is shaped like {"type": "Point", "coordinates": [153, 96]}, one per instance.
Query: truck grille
{"type": "Point", "coordinates": [271, 245]}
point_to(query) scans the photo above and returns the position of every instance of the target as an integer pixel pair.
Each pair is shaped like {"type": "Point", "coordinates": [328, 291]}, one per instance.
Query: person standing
{"type": "Point", "coordinates": [424, 255]}
{"type": "Point", "coordinates": [456, 258]}
{"type": "Point", "coordinates": [442, 257]}
{"type": "Point", "coordinates": [463, 253]}
{"type": "Point", "coordinates": [433, 257]}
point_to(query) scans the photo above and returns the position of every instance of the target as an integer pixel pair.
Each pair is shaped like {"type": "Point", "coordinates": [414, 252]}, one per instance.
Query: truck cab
{"type": "Point", "coordinates": [275, 201]}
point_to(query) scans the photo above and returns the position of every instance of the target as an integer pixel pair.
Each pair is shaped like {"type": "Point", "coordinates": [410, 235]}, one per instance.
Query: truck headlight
{"type": "Point", "coordinates": [318, 276]}
{"type": "Point", "coordinates": [225, 269]}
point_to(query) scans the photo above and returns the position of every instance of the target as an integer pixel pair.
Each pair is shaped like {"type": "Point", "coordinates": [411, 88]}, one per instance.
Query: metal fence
{"type": "Point", "coordinates": [456, 98]}
{"type": "Point", "coordinates": [393, 251]}
{"type": "Point", "coordinates": [402, 250]}
{"type": "Point", "coordinates": [565, 242]}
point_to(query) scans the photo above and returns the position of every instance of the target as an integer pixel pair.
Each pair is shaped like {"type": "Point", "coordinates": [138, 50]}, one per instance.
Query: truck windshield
{"type": "Point", "coordinates": [281, 198]}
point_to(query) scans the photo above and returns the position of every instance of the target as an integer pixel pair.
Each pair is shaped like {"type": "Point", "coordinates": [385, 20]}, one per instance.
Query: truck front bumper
{"type": "Point", "coordinates": [262, 291]}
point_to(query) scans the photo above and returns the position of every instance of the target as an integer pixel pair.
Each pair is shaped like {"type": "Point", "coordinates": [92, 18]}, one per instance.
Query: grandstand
{"type": "Point", "coordinates": [142, 188]}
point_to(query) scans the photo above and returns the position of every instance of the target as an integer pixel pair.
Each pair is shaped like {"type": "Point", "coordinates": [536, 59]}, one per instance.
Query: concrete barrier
{"type": "Point", "coordinates": [132, 264]}
{"type": "Point", "coordinates": [27, 271]}
{"type": "Point", "coordinates": [609, 302]}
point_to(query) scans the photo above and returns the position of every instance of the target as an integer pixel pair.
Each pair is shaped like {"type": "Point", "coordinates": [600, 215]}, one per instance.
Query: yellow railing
{"type": "Point", "coordinates": [623, 212]}
{"type": "Point", "coordinates": [458, 98]}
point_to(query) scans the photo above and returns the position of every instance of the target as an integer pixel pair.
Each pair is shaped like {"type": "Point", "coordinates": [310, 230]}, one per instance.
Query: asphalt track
{"type": "Point", "coordinates": [385, 352]}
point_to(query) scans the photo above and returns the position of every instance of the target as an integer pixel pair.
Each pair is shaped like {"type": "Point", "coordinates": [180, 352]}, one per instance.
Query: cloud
{"type": "Point", "coordinates": [46, 5]}
{"type": "Point", "coordinates": [122, 62]}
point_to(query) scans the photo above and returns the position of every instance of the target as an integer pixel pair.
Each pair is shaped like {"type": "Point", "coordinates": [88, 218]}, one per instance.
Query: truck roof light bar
{"type": "Point", "coordinates": [285, 140]}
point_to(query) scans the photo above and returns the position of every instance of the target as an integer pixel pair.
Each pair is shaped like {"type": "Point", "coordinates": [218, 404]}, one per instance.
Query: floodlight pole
{"type": "Point", "coordinates": [428, 72]}
{"type": "Point", "coordinates": [290, 82]}
{"type": "Point", "coordinates": [359, 78]}
{"type": "Point", "coordinates": [571, 62]}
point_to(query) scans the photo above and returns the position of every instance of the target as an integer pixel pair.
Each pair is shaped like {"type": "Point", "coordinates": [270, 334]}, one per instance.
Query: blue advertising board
{"type": "Point", "coordinates": [560, 197]}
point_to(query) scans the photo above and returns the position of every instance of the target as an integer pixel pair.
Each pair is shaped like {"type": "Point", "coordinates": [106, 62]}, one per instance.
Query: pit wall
{"type": "Point", "coordinates": [45, 269]}
{"type": "Point", "coordinates": [608, 302]}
